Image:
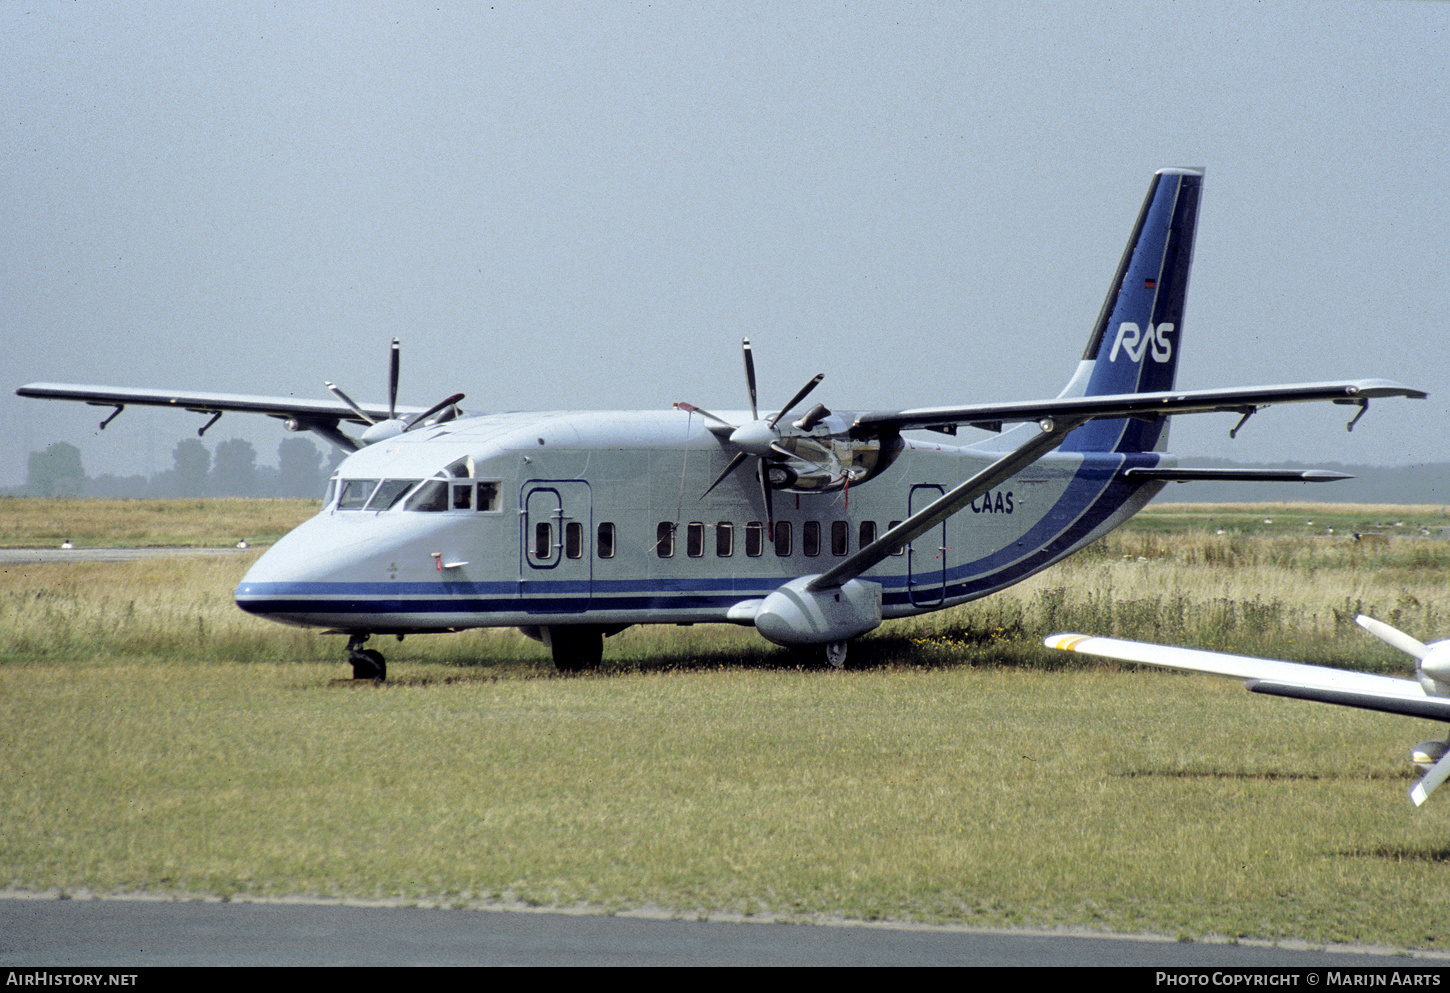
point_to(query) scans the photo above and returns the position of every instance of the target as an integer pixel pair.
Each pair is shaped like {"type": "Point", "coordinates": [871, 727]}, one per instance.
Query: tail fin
{"type": "Point", "coordinates": [1134, 347]}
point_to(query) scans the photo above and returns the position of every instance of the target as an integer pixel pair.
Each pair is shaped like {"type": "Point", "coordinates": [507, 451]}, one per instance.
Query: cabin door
{"type": "Point", "coordinates": [926, 557]}
{"type": "Point", "coordinates": [556, 561]}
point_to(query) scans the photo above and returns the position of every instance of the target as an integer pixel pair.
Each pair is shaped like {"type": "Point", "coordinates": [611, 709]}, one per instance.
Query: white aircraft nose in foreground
{"type": "Point", "coordinates": [1427, 695]}
{"type": "Point", "coordinates": [573, 525]}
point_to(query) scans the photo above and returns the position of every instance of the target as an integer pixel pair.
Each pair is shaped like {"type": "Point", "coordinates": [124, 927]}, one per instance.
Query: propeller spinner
{"type": "Point", "coordinates": [1432, 669]}
{"type": "Point", "coordinates": [394, 425]}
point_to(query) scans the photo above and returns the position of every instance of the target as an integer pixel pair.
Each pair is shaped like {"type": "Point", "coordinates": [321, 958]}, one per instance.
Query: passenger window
{"type": "Point", "coordinates": [782, 538]}
{"type": "Point", "coordinates": [896, 549]}
{"type": "Point", "coordinates": [724, 540]}
{"type": "Point", "coordinates": [489, 498]}
{"type": "Point", "coordinates": [605, 548]}
{"type": "Point", "coordinates": [811, 537]}
{"type": "Point", "coordinates": [754, 539]}
{"type": "Point", "coordinates": [355, 493]}
{"type": "Point", "coordinates": [695, 539]}
{"type": "Point", "coordinates": [574, 540]}
{"type": "Point", "coordinates": [665, 540]}
{"type": "Point", "coordinates": [868, 533]}
{"type": "Point", "coordinates": [543, 541]}
{"type": "Point", "coordinates": [840, 537]}
{"type": "Point", "coordinates": [431, 497]}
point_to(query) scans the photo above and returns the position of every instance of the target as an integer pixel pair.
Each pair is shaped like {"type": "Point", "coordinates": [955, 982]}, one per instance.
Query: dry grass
{"type": "Point", "coordinates": [27, 522]}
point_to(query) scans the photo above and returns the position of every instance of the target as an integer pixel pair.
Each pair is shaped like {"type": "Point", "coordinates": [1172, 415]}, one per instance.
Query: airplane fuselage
{"type": "Point", "coordinates": [590, 518]}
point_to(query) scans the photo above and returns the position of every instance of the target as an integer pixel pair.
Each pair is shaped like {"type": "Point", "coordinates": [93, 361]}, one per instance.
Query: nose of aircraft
{"type": "Point", "coordinates": [307, 563]}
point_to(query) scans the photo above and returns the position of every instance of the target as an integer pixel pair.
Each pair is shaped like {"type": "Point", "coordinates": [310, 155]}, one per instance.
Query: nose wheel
{"type": "Point", "coordinates": [367, 663]}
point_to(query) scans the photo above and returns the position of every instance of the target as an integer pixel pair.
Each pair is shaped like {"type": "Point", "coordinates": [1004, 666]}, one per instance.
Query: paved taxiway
{"type": "Point", "coordinates": [134, 932]}
{"type": "Point", "coordinates": [24, 556]}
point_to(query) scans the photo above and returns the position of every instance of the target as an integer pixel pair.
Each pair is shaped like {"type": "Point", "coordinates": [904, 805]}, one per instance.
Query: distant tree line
{"type": "Point", "coordinates": [196, 472]}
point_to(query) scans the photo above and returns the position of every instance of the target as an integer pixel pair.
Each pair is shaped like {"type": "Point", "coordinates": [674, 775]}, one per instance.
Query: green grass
{"type": "Point", "coordinates": [1120, 800]}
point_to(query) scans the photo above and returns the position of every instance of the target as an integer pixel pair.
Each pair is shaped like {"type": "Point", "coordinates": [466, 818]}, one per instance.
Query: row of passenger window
{"type": "Point", "coordinates": [814, 539]}
{"type": "Point", "coordinates": [756, 539]}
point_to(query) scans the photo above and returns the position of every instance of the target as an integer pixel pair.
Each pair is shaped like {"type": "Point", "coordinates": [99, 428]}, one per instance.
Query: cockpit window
{"type": "Point", "coordinates": [389, 493]}
{"type": "Point", "coordinates": [355, 493]}
{"type": "Point", "coordinates": [447, 491]}
{"type": "Point", "coordinates": [431, 497]}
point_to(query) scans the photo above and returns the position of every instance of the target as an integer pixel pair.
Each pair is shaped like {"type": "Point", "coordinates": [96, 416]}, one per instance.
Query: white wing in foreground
{"type": "Point", "coordinates": [1387, 694]}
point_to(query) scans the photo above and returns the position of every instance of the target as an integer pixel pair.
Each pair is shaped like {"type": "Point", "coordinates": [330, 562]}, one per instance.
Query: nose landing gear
{"type": "Point", "coordinates": [367, 663]}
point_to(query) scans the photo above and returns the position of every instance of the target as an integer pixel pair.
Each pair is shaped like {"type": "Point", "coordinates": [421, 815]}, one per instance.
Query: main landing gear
{"type": "Point", "coordinates": [830, 654]}
{"type": "Point", "coordinates": [367, 663]}
{"type": "Point", "coordinates": [576, 648]}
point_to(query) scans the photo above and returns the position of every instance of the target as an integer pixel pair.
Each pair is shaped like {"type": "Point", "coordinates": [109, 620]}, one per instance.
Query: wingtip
{"type": "Point", "coordinates": [1372, 388]}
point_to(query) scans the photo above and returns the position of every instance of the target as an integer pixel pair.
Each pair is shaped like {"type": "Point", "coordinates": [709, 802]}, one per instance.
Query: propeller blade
{"type": "Point", "coordinates": [734, 464]}
{"type": "Point", "coordinates": [750, 376]}
{"type": "Point", "coordinates": [1393, 636]}
{"type": "Point", "coordinates": [690, 408]}
{"type": "Point", "coordinates": [1421, 791]}
{"type": "Point", "coordinates": [337, 391]}
{"type": "Point", "coordinates": [433, 410]}
{"type": "Point", "coordinates": [800, 395]}
{"type": "Point", "coordinates": [393, 382]}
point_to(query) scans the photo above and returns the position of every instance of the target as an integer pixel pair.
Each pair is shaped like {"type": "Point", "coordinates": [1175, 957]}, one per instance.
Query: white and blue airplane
{"type": "Point", "coordinates": [1427, 695]}
{"type": "Point", "coordinates": [575, 525]}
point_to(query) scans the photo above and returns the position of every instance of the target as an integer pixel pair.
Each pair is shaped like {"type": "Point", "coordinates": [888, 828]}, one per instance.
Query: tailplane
{"type": "Point", "coordinates": [1135, 344]}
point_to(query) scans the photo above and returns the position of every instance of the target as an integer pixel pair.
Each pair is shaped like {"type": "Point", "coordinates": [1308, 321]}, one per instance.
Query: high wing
{"type": "Point", "coordinates": [1243, 401]}
{"type": "Point", "coordinates": [1387, 694]}
{"type": "Point", "coordinates": [320, 416]}
{"type": "Point", "coordinates": [1056, 419]}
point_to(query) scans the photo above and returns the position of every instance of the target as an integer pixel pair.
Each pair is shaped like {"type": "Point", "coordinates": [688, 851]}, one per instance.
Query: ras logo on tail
{"type": "Point", "coordinates": [1132, 340]}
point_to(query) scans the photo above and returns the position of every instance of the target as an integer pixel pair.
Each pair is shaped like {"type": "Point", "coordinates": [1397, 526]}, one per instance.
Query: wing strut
{"type": "Point", "coordinates": [1051, 433]}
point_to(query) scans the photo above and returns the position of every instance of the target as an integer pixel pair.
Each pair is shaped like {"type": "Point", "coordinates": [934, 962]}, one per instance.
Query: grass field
{"type": "Point", "coordinates": [159, 740]}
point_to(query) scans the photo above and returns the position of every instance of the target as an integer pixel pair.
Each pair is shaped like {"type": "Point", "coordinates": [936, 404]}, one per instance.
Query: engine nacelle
{"type": "Point", "coordinates": [1427, 753]}
{"type": "Point", "coordinates": [793, 615]}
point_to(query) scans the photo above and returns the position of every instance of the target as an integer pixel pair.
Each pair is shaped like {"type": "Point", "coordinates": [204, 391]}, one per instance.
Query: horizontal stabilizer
{"type": "Point", "coordinates": [1237, 475]}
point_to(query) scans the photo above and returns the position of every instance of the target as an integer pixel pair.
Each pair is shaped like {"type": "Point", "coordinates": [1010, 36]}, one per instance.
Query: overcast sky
{"type": "Point", "coordinates": [561, 205]}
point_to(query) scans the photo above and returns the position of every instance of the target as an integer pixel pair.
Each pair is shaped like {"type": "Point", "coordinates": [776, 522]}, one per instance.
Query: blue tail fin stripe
{"type": "Point", "coordinates": [1135, 344]}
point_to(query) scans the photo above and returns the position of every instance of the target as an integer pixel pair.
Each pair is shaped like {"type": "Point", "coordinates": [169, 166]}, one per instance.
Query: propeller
{"type": "Point", "coordinates": [1433, 660]}
{"type": "Point", "coordinates": [759, 438]}
{"type": "Point", "coordinates": [394, 425]}
{"type": "Point", "coordinates": [1432, 669]}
